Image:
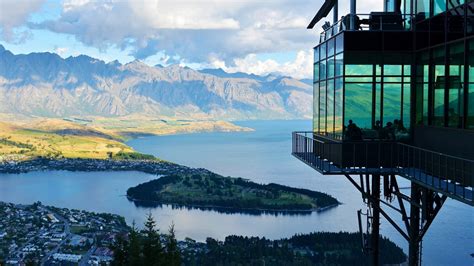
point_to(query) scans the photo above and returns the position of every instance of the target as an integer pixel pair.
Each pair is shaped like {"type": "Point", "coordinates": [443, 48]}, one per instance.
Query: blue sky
{"type": "Point", "coordinates": [253, 36]}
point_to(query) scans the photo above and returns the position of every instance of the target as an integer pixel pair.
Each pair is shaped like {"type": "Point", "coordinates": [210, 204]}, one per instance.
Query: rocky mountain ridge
{"type": "Point", "coordinates": [44, 84]}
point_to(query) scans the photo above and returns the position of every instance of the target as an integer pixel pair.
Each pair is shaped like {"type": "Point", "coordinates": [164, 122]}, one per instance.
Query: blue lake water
{"type": "Point", "coordinates": [263, 156]}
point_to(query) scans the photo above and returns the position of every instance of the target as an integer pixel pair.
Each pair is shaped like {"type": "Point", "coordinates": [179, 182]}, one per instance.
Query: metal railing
{"type": "Point", "coordinates": [441, 172]}
{"type": "Point", "coordinates": [378, 21]}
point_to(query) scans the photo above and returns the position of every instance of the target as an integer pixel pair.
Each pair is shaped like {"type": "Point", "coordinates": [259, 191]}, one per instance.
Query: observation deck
{"type": "Point", "coordinates": [448, 175]}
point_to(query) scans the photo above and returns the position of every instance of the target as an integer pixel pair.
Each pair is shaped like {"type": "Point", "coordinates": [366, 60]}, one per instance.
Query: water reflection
{"type": "Point", "coordinates": [222, 210]}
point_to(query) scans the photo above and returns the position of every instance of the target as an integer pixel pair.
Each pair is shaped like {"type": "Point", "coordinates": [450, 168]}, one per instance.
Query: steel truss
{"type": "Point", "coordinates": [423, 204]}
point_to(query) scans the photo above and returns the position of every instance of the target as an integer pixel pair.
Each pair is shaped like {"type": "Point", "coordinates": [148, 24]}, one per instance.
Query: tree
{"type": "Point", "coordinates": [152, 248]}
{"type": "Point", "coordinates": [173, 256]}
{"type": "Point", "coordinates": [135, 258]}
{"type": "Point", "coordinates": [120, 249]}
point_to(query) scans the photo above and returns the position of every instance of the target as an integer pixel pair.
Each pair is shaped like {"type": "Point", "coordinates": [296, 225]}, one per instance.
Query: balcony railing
{"type": "Point", "coordinates": [447, 174]}
{"type": "Point", "coordinates": [376, 21]}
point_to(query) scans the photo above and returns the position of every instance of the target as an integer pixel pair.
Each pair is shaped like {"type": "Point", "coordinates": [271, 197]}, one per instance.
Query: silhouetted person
{"type": "Point", "coordinates": [378, 128]}
{"type": "Point", "coordinates": [388, 132]}
{"type": "Point", "coordinates": [377, 125]}
{"type": "Point", "coordinates": [353, 132]}
{"type": "Point", "coordinates": [398, 126]}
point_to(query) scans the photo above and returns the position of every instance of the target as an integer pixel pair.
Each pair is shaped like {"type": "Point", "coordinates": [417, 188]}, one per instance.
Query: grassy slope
{"type": "Point", "coordinates": [88, 137]}
{"type": "Point", "coordinates": [56, 139]}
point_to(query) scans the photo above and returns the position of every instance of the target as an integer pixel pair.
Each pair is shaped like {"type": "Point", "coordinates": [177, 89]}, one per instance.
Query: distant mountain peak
{"type": "Point", "coordinates": [114, 63]}
{"type": "Point", "coordinates": [44, 84]}
{"type": "Point", "coordinates": [223, 74]}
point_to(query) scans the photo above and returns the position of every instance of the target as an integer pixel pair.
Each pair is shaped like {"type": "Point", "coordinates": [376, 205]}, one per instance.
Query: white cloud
{"type": "Point", "coordinates": [300, 68]}
{"type": "Point", "coordinates": [223, 32]}
{"type": "Point", "coordinates": [14, 14]}
{"type": "Point", "coordinates": [61, 50]}
{"type": "Point", "coordinates": [193, 30]}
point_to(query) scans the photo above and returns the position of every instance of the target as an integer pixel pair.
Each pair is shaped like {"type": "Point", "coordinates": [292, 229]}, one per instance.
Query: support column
{"type": "Point", "coordinates": [414, 244]}
{"type": "Point", "coordinates": [375, 219]}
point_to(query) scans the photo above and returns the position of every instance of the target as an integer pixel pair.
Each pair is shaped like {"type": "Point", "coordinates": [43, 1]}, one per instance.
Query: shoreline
{"type": "Point", "coordinates": [154, 167]}
{"type": "Point", "coordinates": [236, 210]}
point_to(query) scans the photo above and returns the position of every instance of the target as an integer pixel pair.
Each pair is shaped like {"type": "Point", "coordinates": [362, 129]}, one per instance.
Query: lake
{"type": "Point", "coordinates": [262, 156]}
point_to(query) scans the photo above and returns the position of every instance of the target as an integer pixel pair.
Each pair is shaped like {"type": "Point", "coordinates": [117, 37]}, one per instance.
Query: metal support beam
{"type": "Point", "coordinates": [384, 214]}
{"type": "Point", "coordinates": [400, 203]}
{"type": "Point", "coordinates": [413, 243]}
{"type": "Point", "coordinates": [432, 217]}
{"type": "Point", "coordinates": [425, 205]}
{"type": "Point", "coordinates": [375, 234]}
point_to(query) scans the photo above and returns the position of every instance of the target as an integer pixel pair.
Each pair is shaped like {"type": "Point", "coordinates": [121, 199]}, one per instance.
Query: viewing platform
{"type": "Point", "coordinates": [448, 175]}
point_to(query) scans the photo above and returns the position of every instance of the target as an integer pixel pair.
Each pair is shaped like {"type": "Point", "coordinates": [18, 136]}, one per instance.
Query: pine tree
{"type": "Point", "coordinates": [173, 256]}
{"type": "Point", "coordinates": [152, 248]}
{"type": "Point", "coordinates": [120, 249]}
{"type": "Point", "coordinates": [135, 258]}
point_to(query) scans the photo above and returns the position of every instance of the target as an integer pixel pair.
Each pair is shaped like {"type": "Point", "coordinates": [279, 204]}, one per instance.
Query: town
{"type": "Point", "coordinates": [151, 166]}
{"type": "Point", "coordinates": [38, 234]}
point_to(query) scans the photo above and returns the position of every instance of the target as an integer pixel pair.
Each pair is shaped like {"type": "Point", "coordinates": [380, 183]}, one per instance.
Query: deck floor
{"type": "Point", "coordinates": [446, 187]}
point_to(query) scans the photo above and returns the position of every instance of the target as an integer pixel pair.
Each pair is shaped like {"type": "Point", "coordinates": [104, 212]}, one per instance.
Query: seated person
{"type": "Point", "coordinates": [353, 132]}
{"type": "Point", "coordinates": [388, 132]}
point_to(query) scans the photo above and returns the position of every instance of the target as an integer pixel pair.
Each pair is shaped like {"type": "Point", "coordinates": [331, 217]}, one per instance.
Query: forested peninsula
{"type": "Point", "coordinates": [209, 190]}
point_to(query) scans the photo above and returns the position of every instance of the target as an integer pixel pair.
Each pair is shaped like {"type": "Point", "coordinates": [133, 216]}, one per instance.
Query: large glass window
{"type": "Point", "coordinates": [330, 106]}
{"type": "Point", "coordinates": [316, 107]}
{"type": "Point", "coordinates": [330, 65]}
{"type": "Point", "coordinates": [338, 105]}
{"type": "Point", "coordinates": [331, 44]}
{"type": "Point", "coordinates": [316, 72]}
{"type": "Point", "coordinates": [423, 8]}
{"type": "Point", "coordinates": [378, 100]}
{"type": "Point", "coordinates": [358, 104]}
{"type": "Point", "coordinates": [339, 65]}
{"type": "Point", "coordinates": [339, 43]}
{"type": "Point", "coordinates": [406, 105]}
{"type": "Point", "coordinates": [316, 54]}
{"type": "Point", "coordinates": [439, 84]}
{"type": "Point", "coordinates": [422, 79]}
{"type": "Point", "coordinates": [392, 70]}
{"type": "Point", "coordinates": [455, 85]}
{"type": "Point", "coordinates": [322, 48]}
{"type": "Point", "coordinates": [322, 70]}
{"type": "Point", "coordinates": [439, 6]}
{"type": "Point", "coordinates": [359, 70]}
{"type": "Point", "coordinates": [391, 102]}
{"type": "Point", "coordinates": [322, 106]}
{"type": "Point", "coordinates": [425, 103]}
{"type": "Point", "coordinates": [470, 64]}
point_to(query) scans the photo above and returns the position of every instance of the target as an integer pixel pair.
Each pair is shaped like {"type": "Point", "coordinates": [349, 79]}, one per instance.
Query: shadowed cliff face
{"type": "Point", "coordinates": [45, 84]}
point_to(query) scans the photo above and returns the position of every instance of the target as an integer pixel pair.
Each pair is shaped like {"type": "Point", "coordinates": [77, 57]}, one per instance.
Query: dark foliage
{"type": "Point", "coordinates": [311, 249]}
{"type": "Point", "coordinates": [145, 247]}
{"type": "Point", "coordinates": [132, 156]}
{"type": "Point", "coordinates": [214, 184]}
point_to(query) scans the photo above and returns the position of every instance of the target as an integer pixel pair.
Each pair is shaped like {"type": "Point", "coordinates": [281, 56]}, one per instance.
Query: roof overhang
{"type": "Point", "coordinates": [322, 13]}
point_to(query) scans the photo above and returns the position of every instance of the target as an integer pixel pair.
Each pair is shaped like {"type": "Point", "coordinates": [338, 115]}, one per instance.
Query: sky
{"type": "Point", "coordinates": [251, 36]}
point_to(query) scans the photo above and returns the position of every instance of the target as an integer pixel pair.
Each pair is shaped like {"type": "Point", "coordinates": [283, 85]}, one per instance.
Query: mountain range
{"type": "Point", "coordinates": [47, 85]}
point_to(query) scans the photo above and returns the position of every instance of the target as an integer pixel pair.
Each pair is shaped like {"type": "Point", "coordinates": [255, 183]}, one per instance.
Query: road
{"type": "Point", "coordinates": [67, 232]}
{"type": "Point", "coordinates": [85, 258]}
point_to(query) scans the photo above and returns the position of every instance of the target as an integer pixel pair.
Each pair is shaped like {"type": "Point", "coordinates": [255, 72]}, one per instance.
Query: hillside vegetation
{"type": "Point", "coordinates": [89, 137]}
{"type": "Point", "coordinates": [215, 191]}
{"type": "Point", "coordinates": [57, 139]}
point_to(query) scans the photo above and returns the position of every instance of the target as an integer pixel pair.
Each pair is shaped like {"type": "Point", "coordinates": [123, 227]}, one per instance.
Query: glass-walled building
{"type": "Point", "coordinates": [394, 97]}
{"type": "Point", "coordinates": [402, 71]}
